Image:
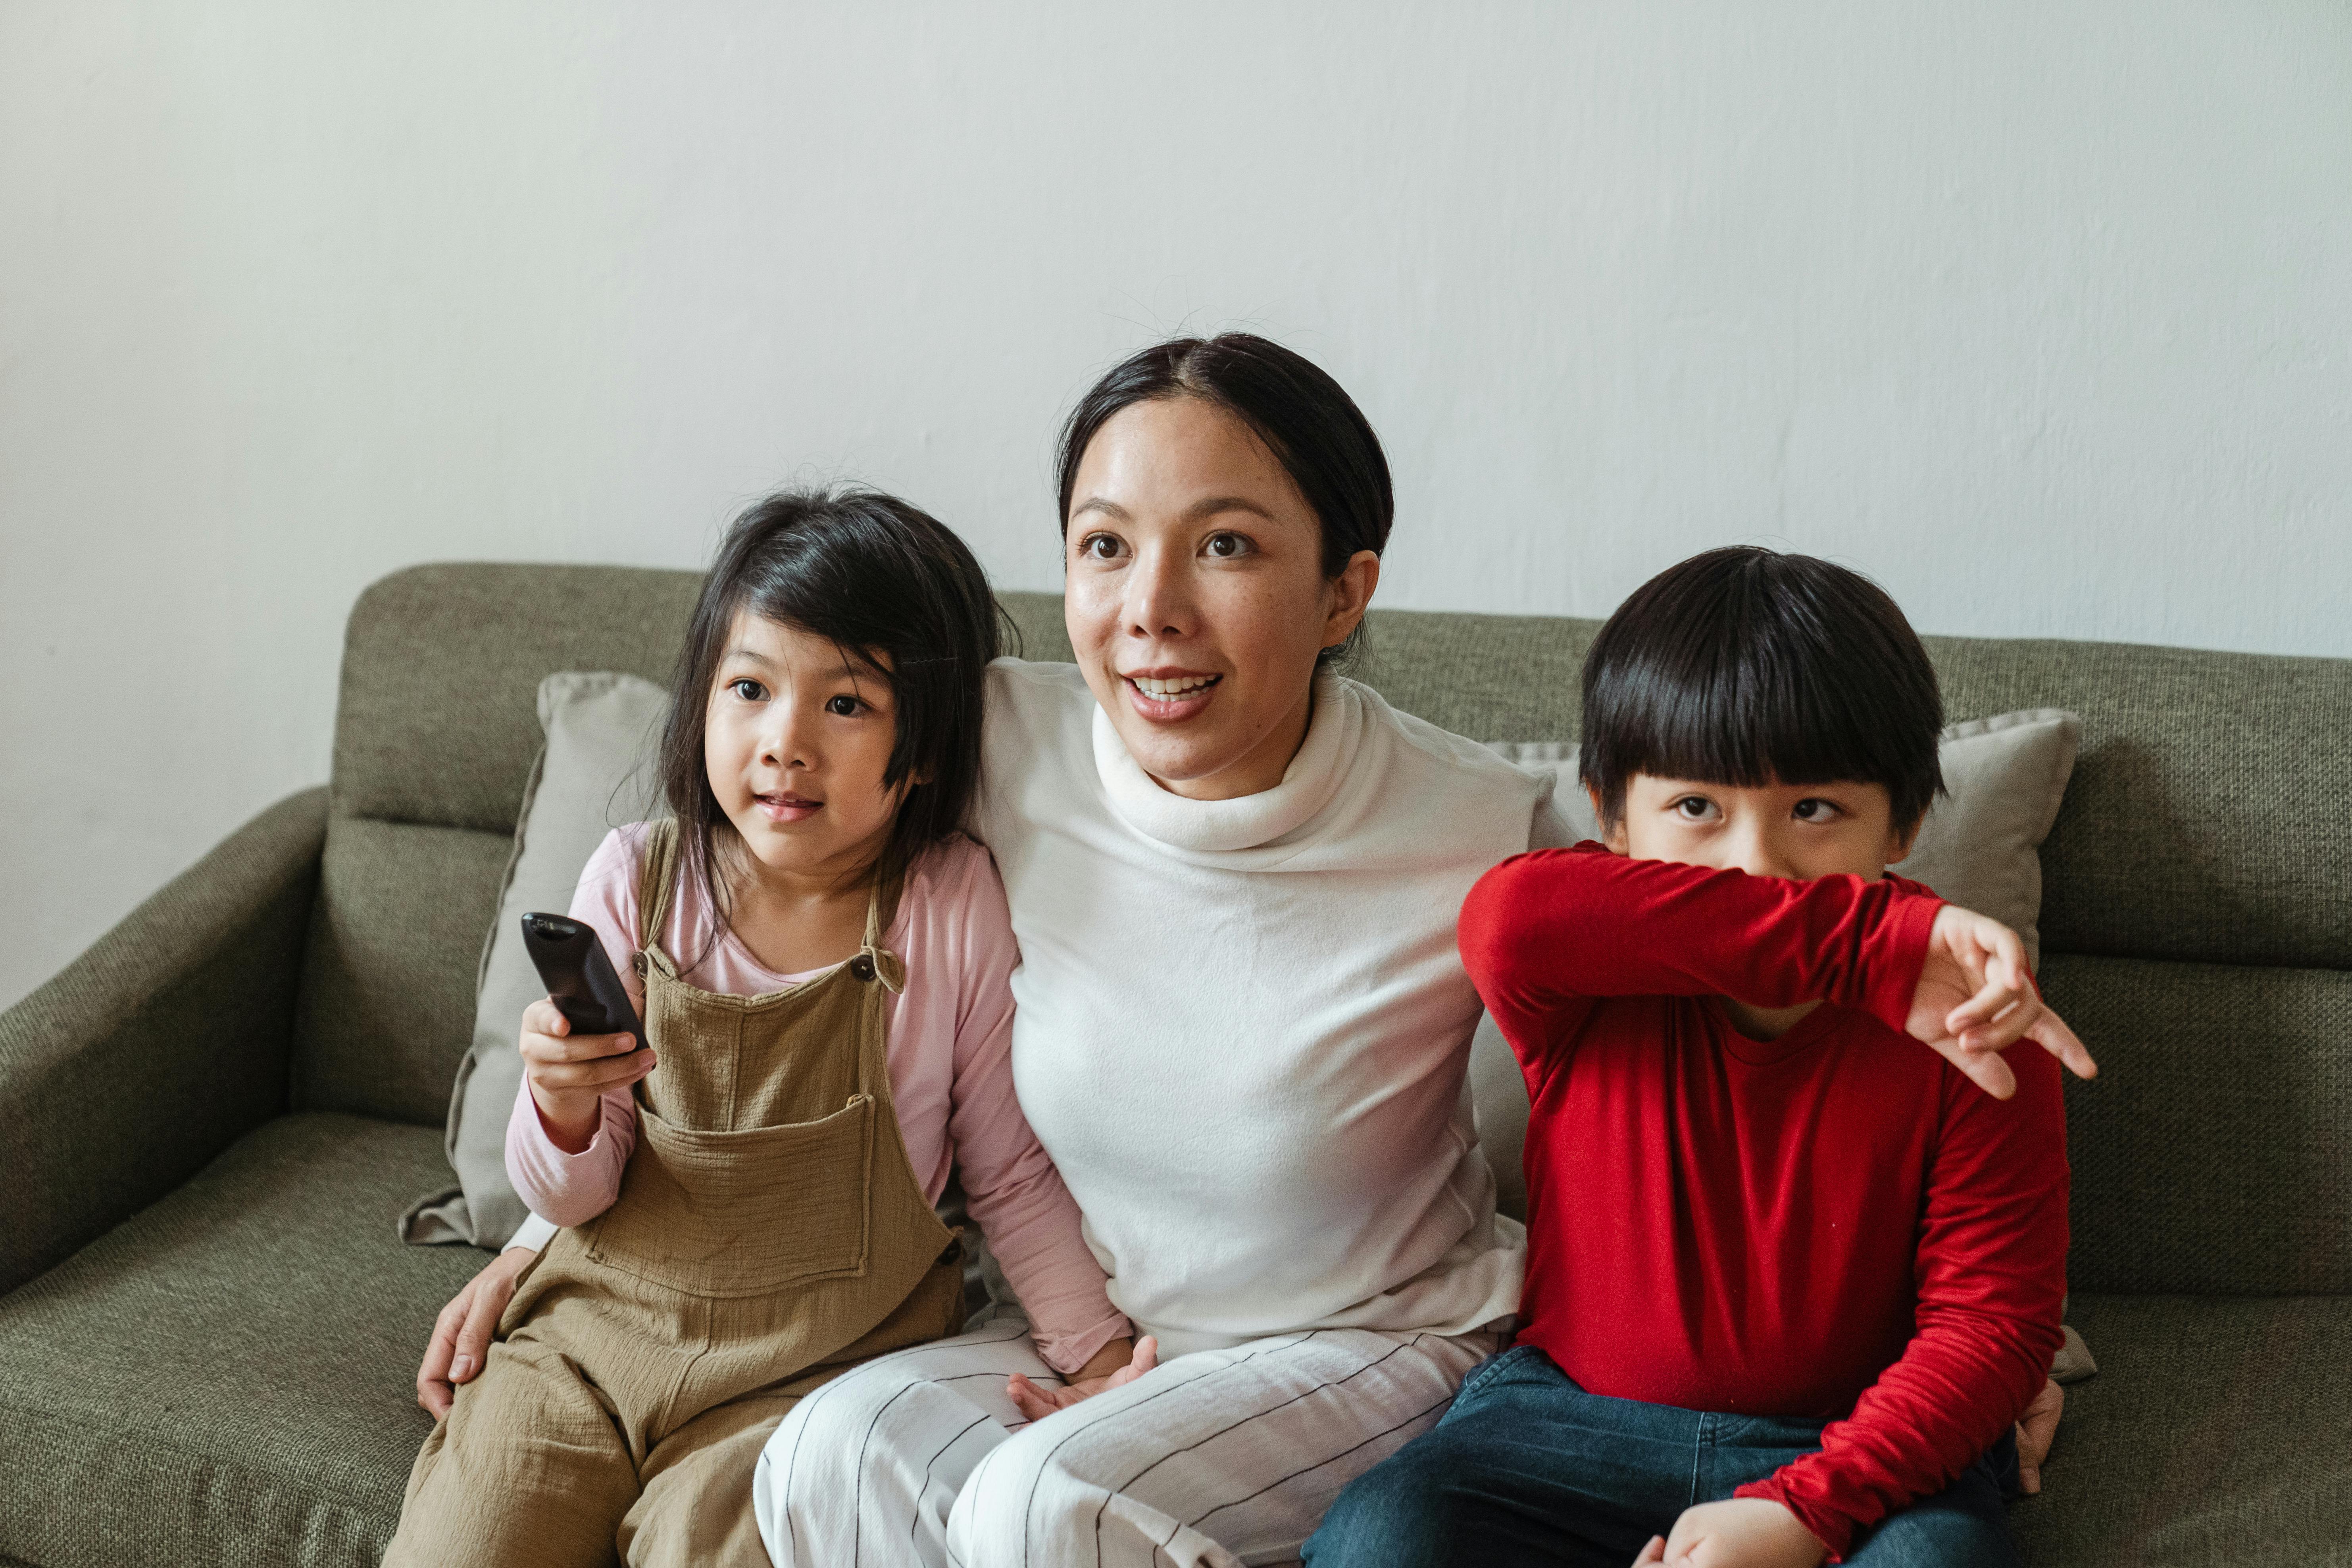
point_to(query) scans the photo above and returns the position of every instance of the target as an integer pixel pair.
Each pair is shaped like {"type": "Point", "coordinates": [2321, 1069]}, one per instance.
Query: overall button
{"type": "Point", "coordinates": [862, 966]}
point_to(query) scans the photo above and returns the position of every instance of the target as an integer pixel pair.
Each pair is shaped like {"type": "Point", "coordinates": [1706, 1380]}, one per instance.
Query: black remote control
{"type": "Point", "coordinates": [580, 978]}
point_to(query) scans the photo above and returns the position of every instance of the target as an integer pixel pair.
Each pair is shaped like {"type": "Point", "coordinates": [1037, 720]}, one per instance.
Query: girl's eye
{"type": "Point", "coordinates": [1100, 547]}
{"type": "Point", "coordinates": [1228, 546]}
{"type": "Point", "coordinates": [846, 706]}
{"type": "Point", "coordinates": [747, 689]}
{"type": "Point", "coordinates": [1693, 808]}
{"type": "Point", "coordinates": [1811, 810]}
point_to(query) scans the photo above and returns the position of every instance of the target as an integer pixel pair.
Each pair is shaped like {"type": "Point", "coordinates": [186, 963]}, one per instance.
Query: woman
{"type": "Point", "coordinates": [1242, 1025]}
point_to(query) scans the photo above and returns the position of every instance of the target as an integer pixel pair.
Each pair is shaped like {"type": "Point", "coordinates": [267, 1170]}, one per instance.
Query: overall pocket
{"type": "Point", "coordinates": [742, 1214]}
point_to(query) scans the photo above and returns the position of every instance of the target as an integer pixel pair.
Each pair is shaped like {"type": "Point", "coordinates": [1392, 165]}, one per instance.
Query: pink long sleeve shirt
{"type": "Point", "coordinates": [949, 1058]}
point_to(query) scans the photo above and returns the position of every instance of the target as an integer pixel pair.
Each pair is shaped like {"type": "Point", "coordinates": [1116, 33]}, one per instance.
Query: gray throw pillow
{"type": "Point", "coordinates": [593, 775]}
{"type": "Point", "coordinates": [1979, 847]}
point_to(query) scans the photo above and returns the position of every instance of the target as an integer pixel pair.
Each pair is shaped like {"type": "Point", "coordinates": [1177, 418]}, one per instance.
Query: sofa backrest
{"type": "Point", "coordinates": [2196, 921]}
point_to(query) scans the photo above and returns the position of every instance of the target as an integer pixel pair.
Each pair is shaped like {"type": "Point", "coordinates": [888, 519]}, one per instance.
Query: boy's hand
{"type": "Point", "coordinates": [1113, 1366]}
{"type": "Point", "coordinates": [1737, 1532]}
{"type": "Point", "coordinates": [2036, 1430]}
{"type": "Point", "coordinates": [1975, 1000]}
{"type": "Point", "coordinates": [569, 1074]}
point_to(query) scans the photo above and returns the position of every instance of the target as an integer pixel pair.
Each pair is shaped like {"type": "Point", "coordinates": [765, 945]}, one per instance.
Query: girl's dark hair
{"type": "Point", "coordinates": [1307, 420]}
{"type": "Point", "coordinates": [1745, 666]}
{"type": "Point", "coordinates": [882, 579]}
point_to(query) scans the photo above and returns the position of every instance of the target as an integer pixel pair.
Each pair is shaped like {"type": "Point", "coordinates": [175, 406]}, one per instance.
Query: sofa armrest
{"type": "Point", "coordinates": [159, 1047]}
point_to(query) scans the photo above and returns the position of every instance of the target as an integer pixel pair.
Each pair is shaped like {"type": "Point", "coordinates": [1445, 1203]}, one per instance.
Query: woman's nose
{"type": "Point", "coordinates": [1159, 595]}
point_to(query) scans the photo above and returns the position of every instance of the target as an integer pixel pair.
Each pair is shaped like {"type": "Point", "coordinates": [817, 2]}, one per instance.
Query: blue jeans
{"type": "Point", "coordinates": [1528, 1467]}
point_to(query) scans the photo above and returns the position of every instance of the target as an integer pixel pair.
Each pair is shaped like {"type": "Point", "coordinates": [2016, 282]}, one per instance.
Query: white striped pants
{"type": "Point", "coordinates": [1216, 1459]}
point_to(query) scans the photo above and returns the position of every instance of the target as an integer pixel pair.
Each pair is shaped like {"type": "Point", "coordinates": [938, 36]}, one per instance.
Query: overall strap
{"type": "Point", "coordinates": [875, 962]}
{"type": "Point", "coordinates": [656, 880]}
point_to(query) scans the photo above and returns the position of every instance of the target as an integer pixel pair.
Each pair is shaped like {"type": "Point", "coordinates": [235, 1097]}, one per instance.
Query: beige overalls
{"type": "Point", "coordinates": [770, 1234]}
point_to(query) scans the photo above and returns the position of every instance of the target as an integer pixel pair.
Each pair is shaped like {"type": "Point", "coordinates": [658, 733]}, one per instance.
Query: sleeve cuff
{"type": "Point", "coordinates": [1067, 1352]}
{"type": "Point", "coordinates": [534, 1234]}
{"type": "Point", "coordinates": [1833, 1530]}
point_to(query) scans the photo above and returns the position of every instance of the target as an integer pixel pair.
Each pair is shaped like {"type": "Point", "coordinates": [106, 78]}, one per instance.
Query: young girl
{"type": "Point", "coordinates": [823, 966]}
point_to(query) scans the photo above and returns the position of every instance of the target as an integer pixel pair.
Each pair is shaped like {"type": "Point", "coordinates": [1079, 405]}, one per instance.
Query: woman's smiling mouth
{"type": "Point", "coordinates": [1169, 694]}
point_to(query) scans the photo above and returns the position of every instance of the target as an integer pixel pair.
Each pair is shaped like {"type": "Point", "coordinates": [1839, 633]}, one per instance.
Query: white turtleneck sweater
{"type": "Point", "coordinates": [1242, 1024]}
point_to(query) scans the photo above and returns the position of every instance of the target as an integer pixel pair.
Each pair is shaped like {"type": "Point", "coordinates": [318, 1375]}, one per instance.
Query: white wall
{"type": "Point", "coordinates": [2042, 314]}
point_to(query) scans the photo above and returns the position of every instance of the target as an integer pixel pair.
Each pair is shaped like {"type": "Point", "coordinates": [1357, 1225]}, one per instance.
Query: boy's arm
{"type": "Point", "coordinates": [1555, 928]}
{"type": "Point", "coordinates": [1991, 1271]}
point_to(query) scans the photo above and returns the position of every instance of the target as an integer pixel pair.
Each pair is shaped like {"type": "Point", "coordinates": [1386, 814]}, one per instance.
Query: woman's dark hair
{"type": "Point", "coordinates": [896, 592]}
{"type": "Point", "coordinates": [1746, 667]}
{"type": "Point", "coordinates": [1307, 420]}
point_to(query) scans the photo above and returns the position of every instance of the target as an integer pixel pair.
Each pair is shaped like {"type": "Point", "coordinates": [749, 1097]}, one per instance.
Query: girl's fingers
{"type": "Point", "coordinates": [576, 1049]}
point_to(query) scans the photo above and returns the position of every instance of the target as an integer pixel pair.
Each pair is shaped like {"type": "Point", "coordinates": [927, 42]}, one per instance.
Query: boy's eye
{"type": "Point", "coordinates": [1228, 546]}
{"type": "Point", "coordinates": [1812, 810]}
{"type": "Point", "coordinates": [845, 705]}
{"type": "Point", "coordinates": [1694, 808]}
{"type": "Point", "coordinates": [747, 689]}
{"type": "Point", "coordinates": [1100, 547]}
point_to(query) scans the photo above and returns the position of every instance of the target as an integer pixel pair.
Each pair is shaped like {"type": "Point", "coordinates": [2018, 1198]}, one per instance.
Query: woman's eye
{"type": "Point", "coordinates": [1100, 547]}
{"type": "Point", "coordinates": [1227, 546]}
{"type": "Point", "coordinates": [747, 689]}
{"type": "Point", "coordinates": [846, 707]}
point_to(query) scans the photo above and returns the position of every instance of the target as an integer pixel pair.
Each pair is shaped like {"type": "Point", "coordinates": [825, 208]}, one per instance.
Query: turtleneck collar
{"type": "Point", "coordinates": [1249, 821]}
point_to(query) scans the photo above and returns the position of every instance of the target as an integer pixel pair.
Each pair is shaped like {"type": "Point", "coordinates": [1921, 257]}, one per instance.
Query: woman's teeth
{"type": "Point", "coordinates": [1170, 690]}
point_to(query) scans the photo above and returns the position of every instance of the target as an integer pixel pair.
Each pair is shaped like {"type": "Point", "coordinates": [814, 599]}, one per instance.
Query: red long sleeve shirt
{"type": "Point", "coordinates": [1836, 1223]}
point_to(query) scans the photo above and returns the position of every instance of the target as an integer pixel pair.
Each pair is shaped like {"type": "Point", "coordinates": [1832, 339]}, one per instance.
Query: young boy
{"type": "Point", "coordinates": [1793, 1275]}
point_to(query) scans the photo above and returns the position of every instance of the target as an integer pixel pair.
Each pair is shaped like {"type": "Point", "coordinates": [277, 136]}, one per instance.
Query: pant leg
{"type": "Point", "coordinates": [696, 1510]}
{"type": "Point", "coordinates": [1525, 1468]}
{"type": "Point", "coordinates": [1964, 1526]}
{"type": "Point", "coordinates": [528, 1471]}
{"type": "Point", "coordinates": [1217, 1458]}
{"type": "Point", "coordinates": [865, 1469]}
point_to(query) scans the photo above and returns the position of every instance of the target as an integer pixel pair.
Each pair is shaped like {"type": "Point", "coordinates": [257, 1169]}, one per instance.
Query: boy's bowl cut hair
{"type": "Point", "coordinates": [1746, 667]}
{"type": "Point", "coordinates": [877, 576]}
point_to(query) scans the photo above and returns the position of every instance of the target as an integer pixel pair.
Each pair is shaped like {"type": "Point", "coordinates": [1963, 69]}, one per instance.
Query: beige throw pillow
{"type": "Point", "coordinates": [595, 775]}
{"type": "Point", "coordinates": [1979, 847]}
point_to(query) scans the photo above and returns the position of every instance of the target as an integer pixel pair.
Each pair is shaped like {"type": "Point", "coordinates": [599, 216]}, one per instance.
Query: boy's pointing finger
{"type": "Point", "coordinates": [2061, 1042]}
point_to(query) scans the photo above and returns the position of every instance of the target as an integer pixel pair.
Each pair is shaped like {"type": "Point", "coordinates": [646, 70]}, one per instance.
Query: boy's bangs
{"type": "Point", "coordinates": [1743, 668]}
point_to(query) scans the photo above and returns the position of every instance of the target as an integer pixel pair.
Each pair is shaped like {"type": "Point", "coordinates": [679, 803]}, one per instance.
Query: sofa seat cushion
{"type": "Point", "coordinates": [2217, 1430]}
{"type": "Point", "coordinates": [229, 1376]}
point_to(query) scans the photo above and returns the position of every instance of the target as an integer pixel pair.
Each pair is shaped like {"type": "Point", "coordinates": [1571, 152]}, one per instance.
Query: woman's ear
{"type": "Point", "coordinates": [1352, 594]}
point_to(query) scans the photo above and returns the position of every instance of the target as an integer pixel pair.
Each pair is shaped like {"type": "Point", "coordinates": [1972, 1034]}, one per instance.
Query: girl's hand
{"type": "Point", "coordinates": [1737, 1532]}
{"type": "Point", "coordinates": [1113, 1366]}
{"type": "Point", "coordinates": [461, 1334]}
{"type": "Point", "coordinates": [1975, 1000]}
{"type": "Point", "coordinates": [569, 1074]}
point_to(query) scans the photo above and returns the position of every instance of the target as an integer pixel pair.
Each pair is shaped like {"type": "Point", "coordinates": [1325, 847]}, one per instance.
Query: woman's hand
{"type": "Point", "coordinates": [569, 1074]}
{"type": "Point", "coordinates": [461, 1334]}
{"type": "Point", "coordinates": [1975, 999]}
{"type": "Point", "coordinates": [1737, 1532]}
{"type": "Point", "coordinates": [1117, 1364]}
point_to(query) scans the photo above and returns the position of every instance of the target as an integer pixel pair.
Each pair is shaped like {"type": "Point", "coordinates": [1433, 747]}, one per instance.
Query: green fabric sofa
{"type": "Point", "coordinates": [210, 1123]}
